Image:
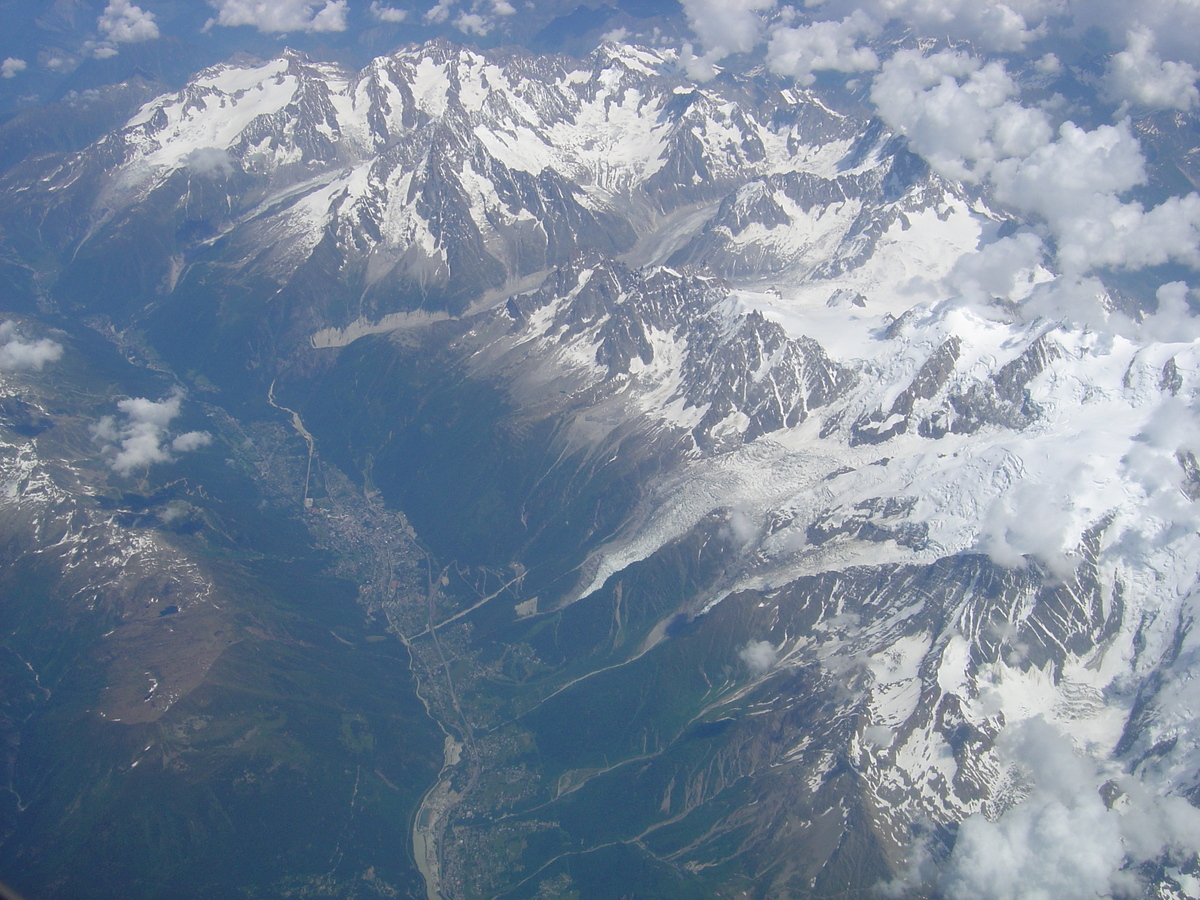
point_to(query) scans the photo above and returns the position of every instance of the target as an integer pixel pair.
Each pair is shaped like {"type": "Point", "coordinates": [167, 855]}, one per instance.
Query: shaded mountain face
{"type": "Point", "coordinates": [191, 696]}
{"type": "Point", "coordinates": [728, 536]}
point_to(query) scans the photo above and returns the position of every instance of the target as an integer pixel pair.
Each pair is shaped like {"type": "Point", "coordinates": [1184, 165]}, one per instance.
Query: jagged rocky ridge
{"type": "Point", "coordinates": [434, 175]}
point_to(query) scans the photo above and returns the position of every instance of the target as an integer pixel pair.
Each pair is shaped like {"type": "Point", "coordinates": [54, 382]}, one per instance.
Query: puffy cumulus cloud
{"type": "Point", "coordinates": [735, 26]}
{"type": "Point", "coordinates": [1034, 521]}
{"type": "Point", "coordinates": [1173, 426]}
{"type": "Point", "coordinates": [209, 162]}
{"type": "Point", "coordinates": [20, 354]}
{"type": "Point", "coordinates": [1074, 184]}
{"type": "Point", "coordinates": [1175, 24]}
{"type": "Point", "coordinates": [732, 26]}
{"type": "Point", "coordinates": [473, 23]}
{"type": "Point", "coordinates": [389, 14]}
{"type": "Point", "coordinates": [1043, 848]}
{"type": "Point", "coordinates": [823, 46]}
{"type": "Point", "coordinates": [991, 25]}
{"type": "Point", "coordinates": [191, 440]}
{"type": "Point", "coordinates": [1049, 64]}
{"type": "Point", "coordinates": [124, 23]}
{"type": "Point", "coordinates": [1173, 319]}
{"type": "Point", "coordinates": [958, 113]}
{"type": "Point", "coordinates": [11, 66]}
{"type": "Point", "coordinates": [1007, 269]}
{"type": "Point", "coordinates": [479, 19]}
{"type": "Point", "coordinates": [1137, 76]}
{"type": "Point", "coordinates": [759, 656]}
{"type": "Point", "coordinates": [1063, 841]}
{"type": "Point", "coordinates": [1127, 236]}
{"type": "Point", "coordinates": [1074, 300]}
{"type": "Point", "coordinates": [141, 437]}
{"type": "Point", "coordinates": [740, 527]}
{"type": "Point", "coordinates": [439, 12]}
{"type": "Point", "coordinates": [281, 16]}
{"type": "Point", "coordinates": [963, 117]}
{"type": "Point", "coordinates": [616, 36]}
{"type": "Point", "coordinates": [1152, 462]}
{"type": "Point", "coordinates": [722, 27]}
{"type": "Point", "coordinates": [1063, 178]}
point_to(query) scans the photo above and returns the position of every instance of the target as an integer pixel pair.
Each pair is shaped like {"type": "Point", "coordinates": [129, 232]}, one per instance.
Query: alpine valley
{"type": "Point", "coordinates": [489, 474]}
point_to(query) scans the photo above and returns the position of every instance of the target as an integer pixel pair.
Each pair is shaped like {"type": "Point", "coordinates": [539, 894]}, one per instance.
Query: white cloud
{"type": "Point", "coordinates": [878, 736]}
{"type": "Point", "coordinates": [1037, 850]}
{"type": "Point", "coordinates": [758, 656]}
{"type": "Point", "coordinates": [1062, 179]}
{"type": "Point", "coordinates": [440, 12]}
{"type": "Point", "coordinates": [962, 116]}
{"type": "Point", "coordinates": [957, 112]}
{"type": "Point", "coordinates": [11, 66]}
{"type": "Point", "coordinates": [191, 440]}
{"type": "Point", "coordinates": [1072, 300]}
{"type": "Point", "coordinates": [989, 25]}
{"type": "Point", "coordinates": [210, 162]}
{"type": "Point", "coordinates": [142, 437]}
{"type": "Point", "coordinates": [1059, 843]}
{"type": "Point", "coordinates": [822, 46]}
{"type": "Point", "coordinates": [733, 26]}
{"type": "Point", "coordinates": [1126, 236]}
{"type": "Point", "coordinates": [1035, 521]}
{"type": "Point", "coordinates": [124, 23]}
{"type": "Point", "coordinates": [1172, 320]}
{"type": "Point", "coordinates": [1005, 269]}
{"type": "Point", "coordinates": [1139, 77]}
{"type": "Point", "coordinates": [1063, 841]}
{"type": "Point", "coordinates": [473, 23]}
{"type": "Point", "coordinates": [723, 27]}
{"type": "Point", "coordinates": [1004, 26]}
{"type": "Point", "coordinates": [480, 18]}
{"type": "Point", "coordinates": [281, 16]}
{"type": "Point", "coordinates": [19, 354]}
{"type": "Point", "coordinates": [387, 13]}
{"type": "Point", "coordinates": [1074, 183]}
{"type": "Point", "coordinates": [1175, 24]}
{"type": "Point", "coordinates": [1151, 464]}
{"type": "Point", "coordinates": [1049, 64]}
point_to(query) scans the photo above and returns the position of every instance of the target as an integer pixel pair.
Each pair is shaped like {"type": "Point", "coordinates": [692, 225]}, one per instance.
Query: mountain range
{"type": "Point", "coordinates": [612, 483]}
